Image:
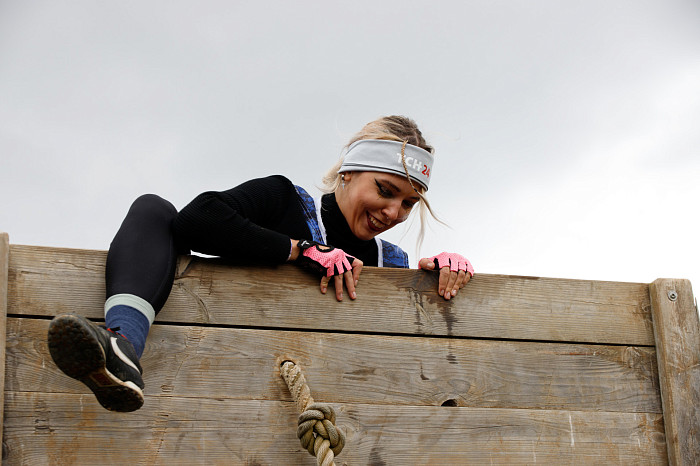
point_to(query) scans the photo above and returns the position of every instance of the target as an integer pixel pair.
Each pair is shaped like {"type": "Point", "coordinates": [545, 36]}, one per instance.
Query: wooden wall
{"type": "Point", "coordinates": [514, 370]}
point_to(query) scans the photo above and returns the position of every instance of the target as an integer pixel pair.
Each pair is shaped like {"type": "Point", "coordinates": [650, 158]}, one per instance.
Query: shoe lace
{"type": "Point", "coordinates": [115, 331]}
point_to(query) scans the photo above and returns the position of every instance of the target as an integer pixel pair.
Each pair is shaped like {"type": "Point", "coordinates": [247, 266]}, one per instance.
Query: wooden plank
{"type": "Point", "coordinates": [400, 370]}
{"type": "Point", "coordinates": [44, 428]}
{"type": "Point", "coordinates": [4, 264]}
{"type": "Point", "coordinates": [677, 333]}
{"type": "Point", "coordinates": [48, 281]}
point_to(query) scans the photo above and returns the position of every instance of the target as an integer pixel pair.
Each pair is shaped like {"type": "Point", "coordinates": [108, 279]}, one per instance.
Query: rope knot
{"type": "Point", "coordinates": [316, 428]}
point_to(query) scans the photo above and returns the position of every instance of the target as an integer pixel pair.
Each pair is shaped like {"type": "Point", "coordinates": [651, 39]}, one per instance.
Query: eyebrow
{"type": "Point", "coordinates": [395, 188]}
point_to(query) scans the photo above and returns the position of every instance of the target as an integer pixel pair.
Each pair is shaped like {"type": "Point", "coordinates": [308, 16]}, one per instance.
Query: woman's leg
{"type": "Point", "coordinates": [140, 268]}
{"type": "Point", "coordinates": [140, 271]}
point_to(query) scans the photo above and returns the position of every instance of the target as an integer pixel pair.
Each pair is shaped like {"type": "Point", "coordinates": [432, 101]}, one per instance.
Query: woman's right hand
{"type": "Point", "coordinates": [331, 262]}
{"type": "Point", "coordinates": [351, 278]}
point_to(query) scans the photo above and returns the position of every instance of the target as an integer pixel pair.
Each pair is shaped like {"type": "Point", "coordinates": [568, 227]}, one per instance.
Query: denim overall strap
{"type": "Point", "coordinates": [393, 256]}
{"type": "Point", "coordinates": [310, 215]}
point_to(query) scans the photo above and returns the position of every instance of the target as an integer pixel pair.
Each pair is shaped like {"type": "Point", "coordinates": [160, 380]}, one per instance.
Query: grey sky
{"type": "Point", "coordinates": [567, 133]}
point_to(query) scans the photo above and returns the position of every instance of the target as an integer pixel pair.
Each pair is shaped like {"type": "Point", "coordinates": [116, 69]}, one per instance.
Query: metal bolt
{"type": "Point", "coordinates": [672, 295]}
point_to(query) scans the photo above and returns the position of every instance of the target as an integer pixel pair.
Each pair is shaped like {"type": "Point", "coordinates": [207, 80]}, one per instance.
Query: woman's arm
{"type": "Point", "coordinates": [259, 221]}
{"type": "Point", "coordinates": [251, 222]}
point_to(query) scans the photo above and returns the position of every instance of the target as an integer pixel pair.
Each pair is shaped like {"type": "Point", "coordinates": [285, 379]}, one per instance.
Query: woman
{"type": "Point", "coordinates": [383, 175]}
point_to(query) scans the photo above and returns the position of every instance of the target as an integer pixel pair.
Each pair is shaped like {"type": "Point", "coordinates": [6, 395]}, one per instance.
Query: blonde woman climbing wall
{"type": "Point", "coordinates": [384, 172]}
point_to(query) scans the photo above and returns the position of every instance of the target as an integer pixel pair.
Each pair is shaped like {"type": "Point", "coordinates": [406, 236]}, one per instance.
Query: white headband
{"type": "Point", "coordinates": [379, 155]}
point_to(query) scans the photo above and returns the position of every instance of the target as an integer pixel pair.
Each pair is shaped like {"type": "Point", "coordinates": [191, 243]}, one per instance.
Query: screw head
{"type": "Point", "coordinates": [672, 295]}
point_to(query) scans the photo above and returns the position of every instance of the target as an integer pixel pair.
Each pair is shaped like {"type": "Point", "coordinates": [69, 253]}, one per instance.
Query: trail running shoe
{"type": "Point", "coordinates": [100, 358]}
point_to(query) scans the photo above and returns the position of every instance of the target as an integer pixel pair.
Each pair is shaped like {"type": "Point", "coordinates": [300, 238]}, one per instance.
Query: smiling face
{"type": "Point", "coordinates": [373, 202]}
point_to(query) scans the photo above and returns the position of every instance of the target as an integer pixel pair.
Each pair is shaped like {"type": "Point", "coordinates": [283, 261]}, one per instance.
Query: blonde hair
{"type": "Point", "coordinates": [392, 128]}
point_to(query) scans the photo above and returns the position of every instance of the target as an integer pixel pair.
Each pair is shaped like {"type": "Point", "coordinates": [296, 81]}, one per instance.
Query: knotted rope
{"type": "Point", "coordinates": [316, 427]}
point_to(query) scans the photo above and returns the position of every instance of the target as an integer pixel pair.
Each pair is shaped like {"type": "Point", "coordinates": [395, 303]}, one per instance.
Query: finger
{"type": "Point", "coordinates": [459, 280]}
{"type": "Point", "coordinates": [338, 282]}
{"type": "Point", "coordinates": [350, 284]}
{"type": "Point", "coordinates": [324, 284]}
{"type": "Point", "coordinates": [356, 270]}
{"type": "Point", "coordinates": [426, 264]}
{"type": "Point", "coordinates": [442, 281]}
{"type": "Point", "coordinates": [451, 288]}
{"type": "Point", "coordinates": [462, 278]}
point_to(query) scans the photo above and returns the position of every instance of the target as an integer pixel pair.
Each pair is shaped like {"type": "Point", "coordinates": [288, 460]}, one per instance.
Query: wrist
{"type": "Point", "coordinates": [294, 250]}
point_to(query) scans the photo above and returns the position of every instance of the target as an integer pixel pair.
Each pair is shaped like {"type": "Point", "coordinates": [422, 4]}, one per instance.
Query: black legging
{"type": "Point", "coordinates": [142, 257]}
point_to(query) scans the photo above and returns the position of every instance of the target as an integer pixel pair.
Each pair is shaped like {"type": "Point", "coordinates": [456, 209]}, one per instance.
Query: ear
{"type": "Point", "coordinates": [348, 176]}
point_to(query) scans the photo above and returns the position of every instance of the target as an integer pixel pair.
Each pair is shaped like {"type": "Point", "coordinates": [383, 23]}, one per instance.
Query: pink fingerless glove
{"type": "Point", "coordinates": [452, 260]}
{"type": "Point", "coordinates": [330, 262]}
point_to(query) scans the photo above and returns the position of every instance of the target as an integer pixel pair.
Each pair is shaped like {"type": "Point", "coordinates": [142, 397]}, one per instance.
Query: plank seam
{"type": "Point", "coordinates": [345, 403]}
{"type": "Point", "coordinates": [355, 332]}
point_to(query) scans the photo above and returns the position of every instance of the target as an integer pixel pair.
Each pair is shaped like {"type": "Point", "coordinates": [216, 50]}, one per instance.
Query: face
{"type": "Point", "coordinates": [374, 202]}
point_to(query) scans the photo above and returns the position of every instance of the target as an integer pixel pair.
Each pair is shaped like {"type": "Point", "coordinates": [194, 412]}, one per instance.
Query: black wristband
{"type": "Point", "coordinates": [305, 244]}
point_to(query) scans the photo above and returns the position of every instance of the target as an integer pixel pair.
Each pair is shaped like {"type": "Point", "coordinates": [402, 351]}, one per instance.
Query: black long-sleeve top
{"type": "Point", "coordinates": [255, 221]}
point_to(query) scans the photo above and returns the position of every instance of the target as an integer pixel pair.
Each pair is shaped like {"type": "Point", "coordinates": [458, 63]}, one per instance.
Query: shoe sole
{"type": "Point", "coordinates": [78, 353]}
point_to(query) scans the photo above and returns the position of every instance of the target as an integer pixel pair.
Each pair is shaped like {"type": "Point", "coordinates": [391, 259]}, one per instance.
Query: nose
{"type": "Point", "coordinates": [391, 211]}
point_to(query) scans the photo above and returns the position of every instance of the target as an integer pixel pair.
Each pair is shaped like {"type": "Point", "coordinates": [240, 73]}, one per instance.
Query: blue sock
{"type": "Point", "coordinates": [131, 323]}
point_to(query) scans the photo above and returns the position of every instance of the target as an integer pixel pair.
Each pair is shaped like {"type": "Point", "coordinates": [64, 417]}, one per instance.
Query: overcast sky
{"type": "Point", "coordinates": [567, 133]}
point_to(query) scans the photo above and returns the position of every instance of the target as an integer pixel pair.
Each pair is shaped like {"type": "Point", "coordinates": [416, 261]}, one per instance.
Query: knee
{"type": "Point", "coordinates": [153, 206]}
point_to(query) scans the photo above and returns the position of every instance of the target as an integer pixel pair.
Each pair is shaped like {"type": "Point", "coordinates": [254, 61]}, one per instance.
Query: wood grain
{"type": "Point", "coordinates": [49, 281]}
{"type": "Point", "coordinates": [62, 429]}
{"type": "Point", "coordinates": [677, 332]}
{"type": "Point", "coordinates": [515, 370]}
{"type": "Point", "coordinates": [228, 363]}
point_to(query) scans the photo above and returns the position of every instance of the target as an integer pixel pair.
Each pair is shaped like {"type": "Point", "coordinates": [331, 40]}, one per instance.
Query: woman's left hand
{"type": "Point", "coordinates": [455, 272]}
